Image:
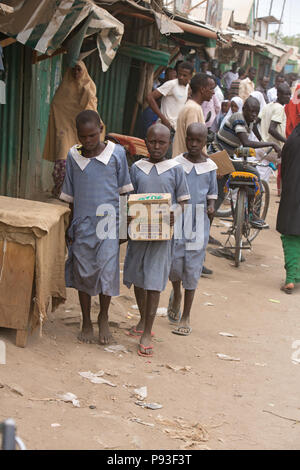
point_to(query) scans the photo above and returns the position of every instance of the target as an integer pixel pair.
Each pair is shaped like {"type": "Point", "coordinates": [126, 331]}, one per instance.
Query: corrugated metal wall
{"type": "Point", "coordinates": [43, 79]}
{"type": "Point", "coordinates": [11, 121]}
{"type": "Point", "coordinates": [24, 119]}
{"type": "Point", "coordinates": [111, 89]}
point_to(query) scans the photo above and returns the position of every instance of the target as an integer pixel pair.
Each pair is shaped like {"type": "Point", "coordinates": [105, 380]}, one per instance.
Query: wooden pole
{"type": "Point", "coordinates": [5, 9]}
{"type": "Point", "coordinates": [197, 5]}
{"type": "Point", "coordinates": [278, 31]}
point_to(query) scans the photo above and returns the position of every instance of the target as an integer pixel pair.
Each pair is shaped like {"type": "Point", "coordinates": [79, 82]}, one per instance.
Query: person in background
{"type": "Point", "coordinates": [291, 79]}
{"type": "Point", "coordinates": [225, 107]}
{"type": "Point", "coordinates": [202, 87]}
{"type": "Point", "coordinates": [173, 95]}
{"type": "Point", "coordinates": [260, 98]}
{"type": "Point", "coordinates": [292, 111]}
{"type": "Point", "coordinates": [211, 109]}
{"type": "Point", "coordinates": [236, 106]}
{"type": "Point", "coordinates": [263, 87]}
{"type": "Point", "coordinates": [170, 74]}
{"type": "Point", "coordinates": [216, 72]}
{"type": "Point", "coordinates": [272, 92]}
{"type": "Point", "coordinates": [273, 122]}
{"type": "Point", "coordinates": [76, 93]}
{"type": "Point", "coordinates": [236, 132]}
{"type": "Point", "coordinates": [147, 119]}
{"type": "Point", "coordinates": [247, 85]}
{"type": "Point", "coordinates": [288, 218]}
{"type": "Point", "coordinates": [235, 85]}
{"type": "Point", "coordinates": [204, 68]}
{"type": "Point", "coordinates": [230, 76]}
{"type": "Point", "coordinates": [148, 116]}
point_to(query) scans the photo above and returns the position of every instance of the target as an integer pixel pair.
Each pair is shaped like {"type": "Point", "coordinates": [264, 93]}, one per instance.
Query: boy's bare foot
{"type": "Point", "coordinates": [87, 333]}
{"type": "Point", "coordinates": [104, 332]}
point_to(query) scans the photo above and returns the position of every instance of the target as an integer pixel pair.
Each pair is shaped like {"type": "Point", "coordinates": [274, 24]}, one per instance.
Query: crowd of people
{"type": "Point", "coordinates": [189, 116]}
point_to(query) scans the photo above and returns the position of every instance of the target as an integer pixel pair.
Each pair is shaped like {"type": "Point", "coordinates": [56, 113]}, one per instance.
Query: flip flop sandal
{"type": "Point", "coordinates": [136, 333]}
{"type": "Point", "coordinates": [180, 331]}
{"type": "Point", "coordinates": [287, 290]}
{"type": "Point", "coordinates": [172, 314]}
{"type": "Point", "coordinates": [145, 348]}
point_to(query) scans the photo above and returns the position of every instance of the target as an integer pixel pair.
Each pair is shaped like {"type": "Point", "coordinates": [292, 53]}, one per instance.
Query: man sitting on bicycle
{"type": "Point", "coordinates": [236, 133]}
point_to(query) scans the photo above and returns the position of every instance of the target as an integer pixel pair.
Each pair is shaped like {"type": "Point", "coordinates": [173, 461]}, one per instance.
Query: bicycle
{"type": "Point", "coordinates": [9, 439]}
{"type": "Point", "coordinates": [242, 184]}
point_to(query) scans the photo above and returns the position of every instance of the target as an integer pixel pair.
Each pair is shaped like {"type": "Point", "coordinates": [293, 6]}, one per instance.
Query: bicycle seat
{"type": "Point", "coordinates": [239, 179]}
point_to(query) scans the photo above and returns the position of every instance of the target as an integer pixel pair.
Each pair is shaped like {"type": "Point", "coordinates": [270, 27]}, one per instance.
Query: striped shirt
{"type": "Point", "coordinates": [228, 135]}
{"type": "Point", "coordinates": [234, 89]}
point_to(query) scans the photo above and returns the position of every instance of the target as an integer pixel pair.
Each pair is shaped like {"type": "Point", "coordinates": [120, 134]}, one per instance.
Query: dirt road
{"type": "Point", "coordinates": [240, 404]}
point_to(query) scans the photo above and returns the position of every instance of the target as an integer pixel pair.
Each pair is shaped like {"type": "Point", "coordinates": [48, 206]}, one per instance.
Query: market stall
{"type": "Point", "coordinates": [32, 259]}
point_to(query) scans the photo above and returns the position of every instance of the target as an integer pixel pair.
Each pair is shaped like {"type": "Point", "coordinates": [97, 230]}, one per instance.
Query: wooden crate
{"type": "Point", "coordinates": [16, 282]}
{"type": "Point", "coordinates": [153, 223]}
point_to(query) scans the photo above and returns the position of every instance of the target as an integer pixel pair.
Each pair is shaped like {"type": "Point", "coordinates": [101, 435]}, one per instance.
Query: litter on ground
{"type": "Point", "coordinates": [227, 358]}
{"type": "Point", "coordinates": [96, 378]}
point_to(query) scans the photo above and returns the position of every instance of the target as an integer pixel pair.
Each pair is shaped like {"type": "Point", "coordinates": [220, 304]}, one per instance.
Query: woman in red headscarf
{"type": "Point", "coordinates": [292, 111]}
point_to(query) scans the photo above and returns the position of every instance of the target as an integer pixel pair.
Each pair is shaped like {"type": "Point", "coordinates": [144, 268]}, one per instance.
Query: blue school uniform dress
{"type": "Point", "coordinates": [189, 251]}
{"type": "Point", "coordinates": [93, 261]}
{"type": "Point", "coordinates": [147, 264]}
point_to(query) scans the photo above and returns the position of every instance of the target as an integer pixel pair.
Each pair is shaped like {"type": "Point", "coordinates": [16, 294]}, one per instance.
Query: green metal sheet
{"type": "Point", "coordinates": [41, 80]}
{"type": "Point", "coordinates": [11, 121]}
{"type": "Point", "coordinates": [111, 90]}
{"type": "Point", "coordinates": [145, 54]}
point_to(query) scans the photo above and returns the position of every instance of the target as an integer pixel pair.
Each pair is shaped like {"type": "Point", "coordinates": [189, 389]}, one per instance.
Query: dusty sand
{"type": "Point", "coordinates": [231, 401]}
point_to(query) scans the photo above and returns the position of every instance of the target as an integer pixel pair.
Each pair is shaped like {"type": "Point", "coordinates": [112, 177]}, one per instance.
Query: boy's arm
{"type": "Point", "coordinates": [274, 132]}
{"type": "Point", "coordinates": [211, 208]}
{"type": "Point", "coordinates": [152, 100]}
{"type": "Point", "coordinates": [69, 239]}
{"type": "Point", "coordinates": [243, 136]}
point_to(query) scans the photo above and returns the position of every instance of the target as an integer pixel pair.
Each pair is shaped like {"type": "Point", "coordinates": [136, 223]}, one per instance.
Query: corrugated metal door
{"type": "Point", "coordinates": [111, 89]}
{"type": "Point", "coordinates": [11, 121]}
{"type": "Point", "coordinates": [43, 79]}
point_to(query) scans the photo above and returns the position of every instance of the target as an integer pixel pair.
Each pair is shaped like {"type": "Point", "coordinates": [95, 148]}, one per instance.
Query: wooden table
{"type": "Point", "coordinates": [32, 262]}
{"type": "Point", "coordinates": [16, 286]}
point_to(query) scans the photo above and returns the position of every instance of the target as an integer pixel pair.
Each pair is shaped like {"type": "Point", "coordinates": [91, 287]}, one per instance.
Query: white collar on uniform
{"type": "Point", "coordinates": [161, 167]}
{"type": "Point", "coordinates": [204, 167]}
{"type": "Point", "coordinates": [104, 156]}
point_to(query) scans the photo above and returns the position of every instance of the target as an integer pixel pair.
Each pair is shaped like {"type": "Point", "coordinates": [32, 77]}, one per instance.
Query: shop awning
{"type": "Point", "coordinates": [46, 26]}
{"type": "Point", "coordinates": [152, 56]}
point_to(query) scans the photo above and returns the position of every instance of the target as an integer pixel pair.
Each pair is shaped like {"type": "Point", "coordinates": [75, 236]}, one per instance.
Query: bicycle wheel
{"type": "Point", "coordinates": [261, 207]}
{"type": "Point", "coordinates": [239, 217]}
{"type": "Point", "coordinates": [225, 208]}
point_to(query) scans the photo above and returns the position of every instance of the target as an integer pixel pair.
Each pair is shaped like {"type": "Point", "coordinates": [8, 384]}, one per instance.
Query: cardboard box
{"type": "Point", "coordinates": [223, 162]}
{"type": "Point", "coordinates": [151, 214]}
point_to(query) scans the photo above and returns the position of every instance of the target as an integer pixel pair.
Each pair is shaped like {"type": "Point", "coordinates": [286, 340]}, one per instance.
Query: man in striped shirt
{"type": "Point", "coordinates": [235, 133]}
{"type": "Point", "coordinates": [235, 85]}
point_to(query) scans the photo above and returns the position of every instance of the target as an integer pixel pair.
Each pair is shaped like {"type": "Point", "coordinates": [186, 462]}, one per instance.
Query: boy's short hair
{"type": "Point", "coordinates": [241, 72]}
{"type": "Point", "coordinates": [200, 80]}
{"type": "Point", "coordinates": [88, 116]}
{"type": "Point", "coordinates": [186, 66]}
